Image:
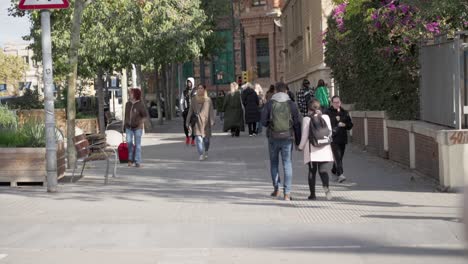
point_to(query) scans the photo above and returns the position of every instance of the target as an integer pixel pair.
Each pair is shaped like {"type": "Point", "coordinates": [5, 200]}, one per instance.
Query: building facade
{"type": "Point", "coordinates": [261, 41]}
{"type": "Point", "coordinates": [252, 43]}
{"type": "Point", "coordinates": [303, 24]}
{"type": "Point", "coordinates": [32, 78]}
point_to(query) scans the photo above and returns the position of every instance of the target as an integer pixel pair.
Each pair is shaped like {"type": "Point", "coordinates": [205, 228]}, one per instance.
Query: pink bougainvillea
{"type": "Point", "coordinates": [338, 14]}
{"type": "Point", "coordinates": [433, 27]}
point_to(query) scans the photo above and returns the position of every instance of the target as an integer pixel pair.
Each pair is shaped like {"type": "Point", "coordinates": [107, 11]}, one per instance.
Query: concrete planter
{"type": "Point", "coordinates": [28, 164]}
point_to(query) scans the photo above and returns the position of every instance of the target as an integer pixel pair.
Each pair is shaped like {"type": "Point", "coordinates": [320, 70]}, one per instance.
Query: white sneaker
{"type": "Point", "coordinates": [341, 178]}
{"type": "Point", "coordinates": [205, 155]}
{"type": "Point", "coordinates": [328, 193]}
{"type": "Point", "coordinates": [202, 157]}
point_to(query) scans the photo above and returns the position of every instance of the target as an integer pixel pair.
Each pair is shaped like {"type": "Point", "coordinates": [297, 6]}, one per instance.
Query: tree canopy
{"type": "Point", "coordinates": [12, 69]}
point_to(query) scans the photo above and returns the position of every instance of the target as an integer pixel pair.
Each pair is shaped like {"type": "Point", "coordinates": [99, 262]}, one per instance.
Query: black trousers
{"type": "Point", "coordinates": [186, 131]}
{"type": "Point", "coordinates": [322, 170]}
{"type": "Point", "coordinates": [235, 131]}
{"type": "Point", "coordinates": [252, 128]}
{"type": "Point", "coordinates": [338, 153]}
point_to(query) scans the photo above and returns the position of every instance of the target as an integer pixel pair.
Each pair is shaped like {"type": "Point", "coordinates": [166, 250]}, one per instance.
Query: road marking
{"type": "Point", "coordinates": [320, 247]}
{"type": "Point", "coordinates": [2, 256]}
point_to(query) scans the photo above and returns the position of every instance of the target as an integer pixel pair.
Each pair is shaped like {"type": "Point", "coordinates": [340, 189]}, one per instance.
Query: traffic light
{"type": "Point", "coordinates": [245, 76]}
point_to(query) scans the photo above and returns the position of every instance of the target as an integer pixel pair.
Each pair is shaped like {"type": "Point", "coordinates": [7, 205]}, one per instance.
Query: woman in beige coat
{"type": "Point", "coordinates": [202, 109]}
{"type": "Point", "coordinates": [316, 158]}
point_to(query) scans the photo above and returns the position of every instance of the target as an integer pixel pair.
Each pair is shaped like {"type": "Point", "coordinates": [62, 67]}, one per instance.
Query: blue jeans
{"type": "Point", "coordinates": [283, 146]}
{"type": "Point", "coordinates": [137, 133]}
{"type": "Point", "coordinates": [203, 144]}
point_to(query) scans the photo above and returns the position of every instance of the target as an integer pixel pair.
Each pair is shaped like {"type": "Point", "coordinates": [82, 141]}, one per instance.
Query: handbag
{"type": "Point", "coordinates": [194, 117]}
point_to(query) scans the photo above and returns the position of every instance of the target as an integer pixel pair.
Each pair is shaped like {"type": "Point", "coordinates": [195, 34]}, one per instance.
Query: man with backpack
{"type": "Point", "coordinates": [281, 117]}
{"type": "Point", "coordinates": [304, 96]}
{"type": "Point", "coordinates": [341, 122]}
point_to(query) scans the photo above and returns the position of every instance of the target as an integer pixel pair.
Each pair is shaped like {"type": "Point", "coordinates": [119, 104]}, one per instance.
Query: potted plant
{"type": "Point", "coordinates": [22, 150]}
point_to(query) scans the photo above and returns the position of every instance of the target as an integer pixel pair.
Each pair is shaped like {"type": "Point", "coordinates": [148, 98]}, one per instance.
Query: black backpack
{"type": "Point", "coordinates": [308, 96]}
{"type": "Point", "coordinates": [319, 133]}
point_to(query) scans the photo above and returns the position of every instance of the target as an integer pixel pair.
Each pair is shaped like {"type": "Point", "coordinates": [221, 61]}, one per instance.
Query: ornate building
{"type": "Point", "coordinates": [303, 23]}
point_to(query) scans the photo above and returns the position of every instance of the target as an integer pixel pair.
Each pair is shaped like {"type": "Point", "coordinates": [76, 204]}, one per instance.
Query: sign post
{"type": "Point", "coordinates": [51, 145]}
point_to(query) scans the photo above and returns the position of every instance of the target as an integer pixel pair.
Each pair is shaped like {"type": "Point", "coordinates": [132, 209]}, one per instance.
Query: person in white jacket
{"type": "Point", "coordinates": [317, 158]}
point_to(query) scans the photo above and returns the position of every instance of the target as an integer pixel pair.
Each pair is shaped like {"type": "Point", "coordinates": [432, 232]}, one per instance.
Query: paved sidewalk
{"type": "Point", "coordinates": [177, 209]}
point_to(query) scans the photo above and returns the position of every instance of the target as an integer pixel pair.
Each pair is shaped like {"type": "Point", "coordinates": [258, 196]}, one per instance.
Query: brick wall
{"type": "Point", "coordinates": [427, 155]}
{"type": "Point", "coordinates": [375, 136]}
{"type": "Point", "coordinates": [398, 145]}
{"type": "Point", "coordinates": [358, 131]}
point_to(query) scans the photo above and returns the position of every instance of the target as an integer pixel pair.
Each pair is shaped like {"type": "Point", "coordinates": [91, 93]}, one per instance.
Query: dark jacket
{"type": "Point", "coordinates": [233, 113]}
{"type": "Point", "coordinates": [251, 103]}
{"type": "Point", "coordinates": [340, 134]}
{"type": "Point", "coordinates": [282, 97]}
{"type": "Point", "coordinates": [135, 113]}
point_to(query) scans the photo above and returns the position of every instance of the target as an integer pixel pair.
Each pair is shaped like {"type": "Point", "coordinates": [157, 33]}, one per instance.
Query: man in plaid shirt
{"type": "Point", "coordinates": [304, 95]}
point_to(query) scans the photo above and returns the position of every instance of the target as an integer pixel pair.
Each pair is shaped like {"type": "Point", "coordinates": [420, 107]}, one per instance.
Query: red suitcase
{"type": "Point", "coordinates": [123, 152]}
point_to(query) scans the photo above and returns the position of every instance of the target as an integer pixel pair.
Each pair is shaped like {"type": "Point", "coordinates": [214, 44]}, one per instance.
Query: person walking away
{"type": "Point", "coordinates": [321, 93]}
{"type": "Point", "coordinates": [262, 101]}
{"type": "Point", "coordinates": [341, 122]}
{"type": "Point", "coordinates": [270, 93]}
{"type": "Point", "coordinates": [304, 96]}
{"type": "Point", "coordinates": [251, 104]}
{"type": "Point", "coordinates": [200, 121]}
{"type": "Point", "coordinates": [135, 114]}
{"type": "Point", "coordinates": [290, 94]}
{"type": "Point", "coordinates": [281, 118]}
{"type": "Point", "coordinates": [233, 113]}
{"type": "Point", "coordinates": [219, 104]}
{"type": "Point", "coordinates": [185, 101]}
{"type": "Point", "coordinates": [315, 142]}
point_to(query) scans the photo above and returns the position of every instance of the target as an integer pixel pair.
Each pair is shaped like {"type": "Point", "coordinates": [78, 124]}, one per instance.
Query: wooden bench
{"type": "Point", "coordinates": [87, 153]}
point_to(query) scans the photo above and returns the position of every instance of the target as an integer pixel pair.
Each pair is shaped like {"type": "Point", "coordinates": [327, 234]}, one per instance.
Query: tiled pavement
{"type": "Point", "coordinates": [179, 210]}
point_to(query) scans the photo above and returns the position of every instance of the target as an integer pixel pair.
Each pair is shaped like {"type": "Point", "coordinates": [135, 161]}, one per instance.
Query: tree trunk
{"type": "Point", "coordinates": [202, 71]}
{"type": "Point", "coordinates": [168, 92]}
{"type": "Point", "coordinates": [72, 76]}
{"type": "Point", "coordinates": [157, 90]}
{"type": "Point", "coordinates": [173, 90]}
{"type": "Point", "coordinates": [164, 89]}
{"type": "Point", "coordinates": [100, 94]}
{"type": "Point", "coordinates": [143, 87]}
{"type": "Point", "coordinates": [124, 95]}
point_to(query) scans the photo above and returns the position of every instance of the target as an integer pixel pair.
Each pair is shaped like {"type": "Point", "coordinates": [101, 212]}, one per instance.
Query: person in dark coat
{"type": "Point", "coordinates": [341, 122]}
{"type": "Point", "coordinates": [233, 111]}
{"type": "Point", "coordinates": [251, 103]}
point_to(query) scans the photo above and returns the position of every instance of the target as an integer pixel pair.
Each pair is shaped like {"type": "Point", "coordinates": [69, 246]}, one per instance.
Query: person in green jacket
{"type": "Point", "coordinates": [321, 94]}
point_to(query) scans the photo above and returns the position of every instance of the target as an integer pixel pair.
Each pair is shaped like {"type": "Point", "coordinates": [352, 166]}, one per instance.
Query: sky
{"type": "Point", "coordinates": [11, 28]}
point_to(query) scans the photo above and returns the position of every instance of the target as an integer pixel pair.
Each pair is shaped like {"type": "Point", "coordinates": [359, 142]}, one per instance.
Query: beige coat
{"type": "Point", "coordinates": [311, 153]}
{"type": "Point", "coordinates": [206, 117]}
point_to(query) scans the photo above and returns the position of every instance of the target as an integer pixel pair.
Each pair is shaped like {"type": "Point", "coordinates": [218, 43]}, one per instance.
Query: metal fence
{"type": "Point", "coordinates": [444, 83]}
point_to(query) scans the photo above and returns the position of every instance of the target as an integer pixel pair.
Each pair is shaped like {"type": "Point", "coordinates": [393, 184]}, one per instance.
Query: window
{"type": "Point", "coordinates": [258, 2]}
{"type": "Point", "coordinates": [263, 58]}
{"type": "Point", "coordinates": [26, 59]}
{"type": "Point", "coordinates": [222, 70]}
{"type": "Point", "coordinates": [3, 87]}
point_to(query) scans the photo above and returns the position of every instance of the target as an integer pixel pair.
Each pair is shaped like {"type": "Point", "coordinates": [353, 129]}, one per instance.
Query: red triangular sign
{"type": "Point", "coordinates": [43, 4]}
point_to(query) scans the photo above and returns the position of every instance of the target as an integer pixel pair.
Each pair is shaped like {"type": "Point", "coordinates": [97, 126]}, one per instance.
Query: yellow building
{"type": "Point", "coordinates": [302, 25]}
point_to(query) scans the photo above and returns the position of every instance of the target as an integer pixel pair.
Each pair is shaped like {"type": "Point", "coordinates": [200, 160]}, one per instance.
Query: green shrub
{"type": "Point", "coordinates": [31, 134]}
{"type": "Point", "coordinates": [8, 118]}
{"type": "Point", "coordinates": [30, 100]}
{"type": "Point", "coordinates": [34, 131]}
{"type": "Point", "coordinates": [11, 139]}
